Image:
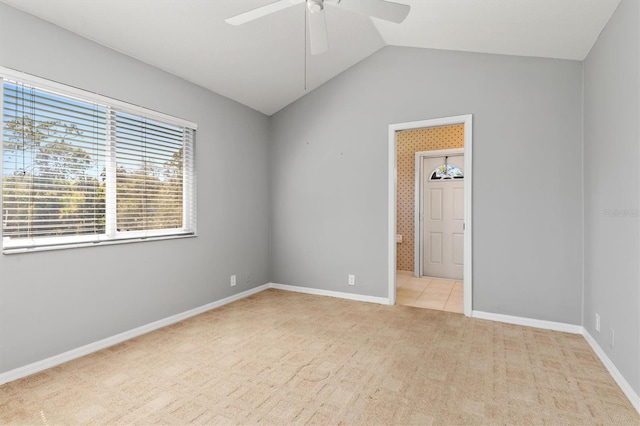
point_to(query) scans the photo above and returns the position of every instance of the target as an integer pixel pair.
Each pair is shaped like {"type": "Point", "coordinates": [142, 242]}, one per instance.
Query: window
{"type": "Point", "coordinates": [446, 171]}
{"type": "Point", "coordinates": [79, 168]}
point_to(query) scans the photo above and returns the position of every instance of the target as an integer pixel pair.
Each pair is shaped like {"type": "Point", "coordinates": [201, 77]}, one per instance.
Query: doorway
{"type": "Point", "coordinates": [464, 241]}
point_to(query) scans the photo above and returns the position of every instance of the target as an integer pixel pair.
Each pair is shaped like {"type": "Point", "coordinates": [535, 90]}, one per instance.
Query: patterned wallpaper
{"type": "Point", "coordinates": [409, 142]}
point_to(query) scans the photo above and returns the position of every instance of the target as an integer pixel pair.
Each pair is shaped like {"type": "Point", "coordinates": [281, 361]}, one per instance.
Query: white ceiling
{"type": "Point", "coordinates": [262, 64]}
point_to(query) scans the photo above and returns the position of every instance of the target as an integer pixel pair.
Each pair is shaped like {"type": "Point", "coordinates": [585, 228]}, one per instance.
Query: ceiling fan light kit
{"type": "Point", "coordinates": [382, 9]}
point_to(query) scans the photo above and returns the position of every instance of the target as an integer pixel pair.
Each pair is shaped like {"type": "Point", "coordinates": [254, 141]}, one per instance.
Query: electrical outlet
{"type": "Point", "coordinates": [352, 280]}
{"type": "Point", "coordinates": [233, 280]}
{"type": "Point", "coordinates": [248, 277]}
{"type": "Point", "coordinates": [613, 335]}
{"type": "Point", "coordinates": [598, 323]}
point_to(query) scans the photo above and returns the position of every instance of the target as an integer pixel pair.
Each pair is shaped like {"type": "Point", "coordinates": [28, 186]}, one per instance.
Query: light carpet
{"type": "Point", "coordinates": [287, 358]}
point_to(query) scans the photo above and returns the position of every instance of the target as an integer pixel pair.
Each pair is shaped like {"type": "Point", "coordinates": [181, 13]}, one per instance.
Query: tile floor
{"type": "Point", "coordinates": [430, 293]}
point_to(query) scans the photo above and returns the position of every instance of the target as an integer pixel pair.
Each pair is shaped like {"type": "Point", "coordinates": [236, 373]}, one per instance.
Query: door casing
{"type": "Point", "coordinates": [467, 121]}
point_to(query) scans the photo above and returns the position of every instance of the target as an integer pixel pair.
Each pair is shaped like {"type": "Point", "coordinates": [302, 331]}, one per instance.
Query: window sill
{"type": "Point", "coordinates": [10, 251]}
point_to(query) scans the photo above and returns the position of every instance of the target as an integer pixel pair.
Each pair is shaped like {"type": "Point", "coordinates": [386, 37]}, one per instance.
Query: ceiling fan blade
{"type": "Point", "coordinates": [259, 12]}
{"type": "Point", "coordinates": [318, 32]}
{"type": "Point", "coordinates": [389, 11]}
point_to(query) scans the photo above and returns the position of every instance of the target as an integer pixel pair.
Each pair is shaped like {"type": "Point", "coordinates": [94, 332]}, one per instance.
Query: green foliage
{"type": "Point", "coordinates": [50, 190]}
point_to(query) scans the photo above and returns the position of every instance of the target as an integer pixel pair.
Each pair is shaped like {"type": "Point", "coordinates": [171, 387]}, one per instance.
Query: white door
{"type": "Point", "coordinates": [443, 217]}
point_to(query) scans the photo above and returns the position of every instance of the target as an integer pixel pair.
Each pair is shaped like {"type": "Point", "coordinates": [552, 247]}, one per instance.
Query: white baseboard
{"type": "Point", "coordinates": [633, 397]}
{"type": "Point", "coordinates": [547, 325]}
{"type": "Point", "coordinates": [626, 388]}
{"type": "Point", "coordinates": [338, 294]}
{"type": "Point", "coordinates": [55, 360]}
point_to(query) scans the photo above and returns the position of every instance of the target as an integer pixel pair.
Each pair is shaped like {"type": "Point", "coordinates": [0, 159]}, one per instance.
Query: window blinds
{"type": "Point", "coordinates": [79, 169]}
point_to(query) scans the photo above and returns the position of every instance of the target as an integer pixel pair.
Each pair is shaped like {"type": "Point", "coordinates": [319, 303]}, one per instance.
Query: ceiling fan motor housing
{"type": "Point", "coordinates": [315, 5]}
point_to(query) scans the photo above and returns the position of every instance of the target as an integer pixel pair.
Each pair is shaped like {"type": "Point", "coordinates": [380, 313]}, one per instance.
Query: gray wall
{"type": "Point", "coordinates": [315, 178]}
{"type": "Point", "coordinates": [329, 175]}
{"type": "Point", "coordinates": [611, 185]}
{"type": "Point", "coordinates": [51, 302]}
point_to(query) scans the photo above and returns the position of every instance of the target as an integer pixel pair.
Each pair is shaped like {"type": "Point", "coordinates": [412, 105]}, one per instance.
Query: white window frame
{"type": "Point", "coordinates": [111, 235]}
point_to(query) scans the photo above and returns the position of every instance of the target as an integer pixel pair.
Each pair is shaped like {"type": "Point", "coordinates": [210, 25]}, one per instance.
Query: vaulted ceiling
{"type": "Point", "coordinates": [266, 65]}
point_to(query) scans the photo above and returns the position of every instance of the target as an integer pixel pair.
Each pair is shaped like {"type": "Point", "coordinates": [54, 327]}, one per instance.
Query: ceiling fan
{"type": "Point", "coordinates": [389, 11]}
